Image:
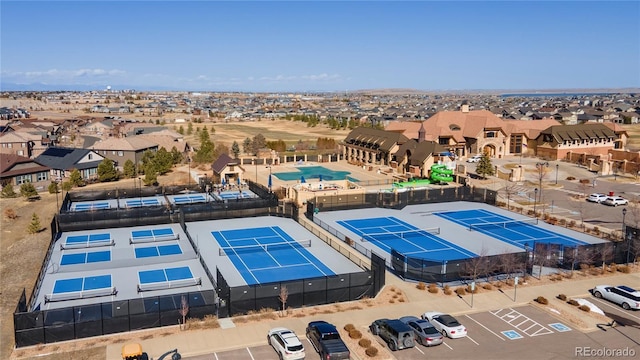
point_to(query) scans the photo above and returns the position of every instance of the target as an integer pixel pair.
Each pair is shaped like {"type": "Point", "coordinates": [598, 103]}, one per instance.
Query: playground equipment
{"type": "Point", "coordinates": [439, 174]}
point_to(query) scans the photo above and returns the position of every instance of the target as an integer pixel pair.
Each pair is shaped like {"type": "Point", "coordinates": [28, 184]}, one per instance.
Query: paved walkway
{"type": "Point", "coordinates": [200, 342]}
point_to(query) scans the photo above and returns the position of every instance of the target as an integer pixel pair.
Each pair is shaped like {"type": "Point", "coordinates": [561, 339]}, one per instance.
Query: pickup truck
{"type": "Point", "coordinates": [326, 340]}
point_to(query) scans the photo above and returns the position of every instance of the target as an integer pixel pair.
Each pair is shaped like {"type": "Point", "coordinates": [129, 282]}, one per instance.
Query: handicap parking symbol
{"type": "Point", "coordinates": [560, 327]}
{"type": "Point", "coordinates": [512, 334]}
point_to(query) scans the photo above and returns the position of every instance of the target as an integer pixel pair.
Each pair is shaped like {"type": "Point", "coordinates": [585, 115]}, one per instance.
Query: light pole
{"type": "Point", "coordinates": [269, 180]}
{"type": "Point", "coordinates": [624, 235]}
{"type": "Point", "coordinates": [541, 166]}
{"type": "Point", "coordinates": [557, 166]}
{"type": "Point", "coordinates": [57, 204]}
{"type": "Point", "coordinates": [535, 202]}
{"type": "Point", "coordinates": [189, 172]}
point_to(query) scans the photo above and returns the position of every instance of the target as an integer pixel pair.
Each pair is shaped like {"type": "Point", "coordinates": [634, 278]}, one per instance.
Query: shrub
{"type": "Point", "coordinates": [461, 291]}
{"type": "Point", "coordinates": [573, 302]}
{"type": "Point", "coordinates": [584, 308]}
{"type": "Point", "coordinates": [421, 286]}
{"type": "Point", "coordinates": [542, 300]}
{"type": "Point", "coordinates": [447, 291]}
{"type": "Point", "coordinates": [10, 214]}
{"type": "Point", "coordinates": [433, 290]}
{"type": "Point", "coordinates": [510, 282]}
{"type": "Point", "coordinates": [365, 343]}
{"type": "Point", "coordinates": [624, 269]}
{"type": "Point", "coordinates": [572, 223]}
{"type": "Point", "coordinates": [613, 267]}
{"type": "Point", "coordinates": [355, 334]}
{"type": "Point", "coordinates": [8, 192]}
{"type": "Point", "coordinates": [487, 287]}
{"type": "Point", "coordinates": [371, 351]}
{"type": "Point", "coordinates": [349, 327]}
{"type": "Point", "coordinates": [468, 289]}
{"type": "Point", "coordinates": [570, 178]}
{"type": "Point", "coordinates": [562, 297]}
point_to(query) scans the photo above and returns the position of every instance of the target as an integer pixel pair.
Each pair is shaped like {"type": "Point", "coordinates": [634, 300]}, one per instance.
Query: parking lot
{"type": "Point", "coordinates": [524, 332]}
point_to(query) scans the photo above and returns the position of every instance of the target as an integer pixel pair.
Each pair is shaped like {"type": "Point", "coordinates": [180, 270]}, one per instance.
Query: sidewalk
{"type": "Point", "coordinates": [200, 342]}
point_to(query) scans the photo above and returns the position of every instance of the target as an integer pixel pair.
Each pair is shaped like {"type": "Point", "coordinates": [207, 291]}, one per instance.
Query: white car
{"type": "Point", "coordinates": [615, 201]}
{"type": "Point", "coordinates": [446, 324]}
{"type": "Point", "coordinates": [624, 296]}
{"type": "Point", "coordinates": [286, 343]}
{"type": "Point", "coordinates": [596, 197]}
{"type": "Point", "coordinates": [474, 158]}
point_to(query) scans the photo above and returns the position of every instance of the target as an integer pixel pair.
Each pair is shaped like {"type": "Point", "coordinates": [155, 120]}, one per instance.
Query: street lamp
{"type": "Point", "coordinates": [57, 204]}
{"type": "Point", "coordinates": [269, 180]}
{"type": "Point", "coordinates": [624, 235]}
{"type": "Point", "coordinates": [557, 166]}
{"type": "Point", "coordinates": [527, 249]}
{"type": "Point", "coordinates": [189, 172]}
{"type": "Point", "coordinates": [535, 201]}
{"type": "Point", "coordinates": [541, 166]}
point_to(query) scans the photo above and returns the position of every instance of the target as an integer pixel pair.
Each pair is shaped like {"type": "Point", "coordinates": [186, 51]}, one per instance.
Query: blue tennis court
{"type": "Point", "coordinates": [165, 275]}
{"type": "Point", "coordinates": [160, 250]}
{"type": "Point", "coordinates": [514, 232]}
{"type": "Point", "coordinates": [190, 199]}
{"type": "Point", "coordinates": [391, 233]}
{"type": "Point", "coordinates": [141, 202]}
{"type": "Point", "coordinates": [85, 257]}
{"type": "Point", "coordinates": [90, 206]}
{"type": "Point", "coordinates": [149, 235]}
{"type": "Point", "coordinates": [82, 284]}
{"type": "Point", "coordinates": [88, 240]}
{"type": "Point", "coordinates": [269, 254]}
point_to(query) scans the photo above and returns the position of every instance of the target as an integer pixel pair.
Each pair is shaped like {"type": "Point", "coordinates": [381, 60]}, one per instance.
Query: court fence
{"type": "Point", "coordinates": [48, 326]}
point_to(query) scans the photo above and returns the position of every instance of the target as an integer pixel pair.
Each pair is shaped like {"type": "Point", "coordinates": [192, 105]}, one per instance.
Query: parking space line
{"type": "Point", "coordinates": [473, 340]}
{"type": "Point", "coordinates": [514, 315]}
{"type": "Point", "coordinates": [447, 345]}
{"type": "Point", "coordinates": [250, 354]}
{"type": "Point", "coordinates": [417, 348]}
{"type": "Point", "coordinates": [486, 328]}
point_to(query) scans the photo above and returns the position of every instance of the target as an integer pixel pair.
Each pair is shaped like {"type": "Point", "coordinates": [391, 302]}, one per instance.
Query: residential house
{"type": "Point", "coordinates": [16, 143]}
{"type": "Point", "coordinates": [371, 146]}
{"type": "Point", "coordinates": [17, 170]}
{"type": "Point", "coordinates": [119, 150]}
{"type": "Point", "coordinates": [62, 161]}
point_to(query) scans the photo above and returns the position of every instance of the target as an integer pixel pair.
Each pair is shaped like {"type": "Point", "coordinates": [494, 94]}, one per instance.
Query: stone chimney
{"type": "Point", "coordinates": [421, 133]}
{"type": "Point", "coordinates": [464, 107]}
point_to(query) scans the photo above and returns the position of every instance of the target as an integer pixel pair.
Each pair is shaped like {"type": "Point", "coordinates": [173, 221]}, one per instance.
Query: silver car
{"type": "Point", "coordinates": [615, 201]}
{"type": "Point", "coordinates": [424, 332]}
{"type": "Point", "coordinates": [624, 296]}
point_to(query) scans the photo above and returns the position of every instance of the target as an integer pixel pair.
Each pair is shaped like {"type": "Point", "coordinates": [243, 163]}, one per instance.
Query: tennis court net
{"type": "Point", "coordinates": [408, 234]}
{"type": "Point", "coordinates": [502, 224]}
{"type": "Point", "coordinates": [287, 245]}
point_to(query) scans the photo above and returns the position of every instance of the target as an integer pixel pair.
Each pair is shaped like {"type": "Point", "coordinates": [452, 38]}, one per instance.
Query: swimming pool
{"type": "Point", "coordinates": [314, 172]}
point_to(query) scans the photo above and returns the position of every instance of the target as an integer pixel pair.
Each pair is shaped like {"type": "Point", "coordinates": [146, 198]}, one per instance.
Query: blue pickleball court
{"type": "Point", "coordinates": [269, 254]}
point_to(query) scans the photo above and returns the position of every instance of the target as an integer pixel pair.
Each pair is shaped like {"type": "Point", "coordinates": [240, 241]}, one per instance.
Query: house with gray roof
{"type": "Point", "coordinates": [62, 161]}
{"type": "Point", "coordinates": [119, 150]}
{"type": "Point", "coordinates": [17, 170]}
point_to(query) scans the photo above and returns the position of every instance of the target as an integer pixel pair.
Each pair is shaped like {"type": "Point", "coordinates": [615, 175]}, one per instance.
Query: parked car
{"type": "Point", "coordinates": [596, 197]}
{"type": "Point", "coordinates": [286, 343]}
{"type": "Point", "coordinates": [424, 332]}
{"type": "Point", "coordinates": [624, 296]}
{"type": "Point", "coordinates": [326, 340]}
{"type": "Point", "coordinates": [615, 201]}
{"type": "Point", "coordinates": [474, 159]}
{"type": "Point", "coordinates": [394, 332]}
{"type": "Point", "coordinates": [446, 324]}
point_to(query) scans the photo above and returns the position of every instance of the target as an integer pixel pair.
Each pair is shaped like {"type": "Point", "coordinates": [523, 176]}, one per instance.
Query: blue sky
{"type": "Point", "coordinates": [320, 45]}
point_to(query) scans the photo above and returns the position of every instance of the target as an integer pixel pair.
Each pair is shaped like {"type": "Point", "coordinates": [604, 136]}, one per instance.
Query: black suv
{"type": "Point", "coordinates": [395, 333]}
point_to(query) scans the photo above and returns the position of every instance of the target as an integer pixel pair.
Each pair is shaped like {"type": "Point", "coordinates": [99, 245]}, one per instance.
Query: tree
{"type": "Point", "coordinates": [34, 226]}
{"type": "Point", "coordinates": [184, 310]}
{"type": "Point", "coordinates": [485, 167]}
{"type": "Point", "coordinates": [478, 265]}
{"type": "Point", "coordinates": [53, 188]}
{"type": "Point", "coordinates": [205, 153]}
{"type": "Point", "coordinates": [129, 169]}
{"type": "Point", "coordinates": [246, 146]}
{"type": "Point", "coordinates": [163, 161]}
{"type": "Point", "coordinates": [181, 130]}
{"type": "Point", "coordinates": [189, 129]}
{"type": "Point", "coordinates": [176, 156]}
{"type": "Point", "coordinates": [220, 149]}
{"type": "Point", "coordinates": [235, 149]}
{"type": "Point", "coordinates": [510, 263]}
{"type": "Point", "coordinates": [283, 297]}
{"type": "Point", "coordinates": [27, 190]}
{"type": "Point", "coordinates": [67, 186]}
{"type": "Point", "coordinates": [75, 178]}
{"type": "Point", "coordinates": [150, 175]}
{"type": "Point", "coordinates": [509, 190]}
{"type": "Point", "coordinates": [258, 142]}
{"type": "Point", "coordinates": [8, 192]}
{"type": "Point", "coordinates": [107, 171]}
